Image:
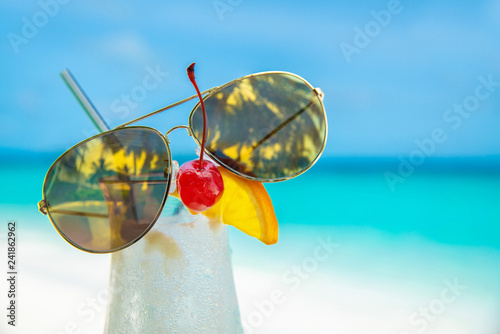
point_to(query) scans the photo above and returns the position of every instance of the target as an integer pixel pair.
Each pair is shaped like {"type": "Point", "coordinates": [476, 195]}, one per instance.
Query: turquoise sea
{"type": "Point", "coordinates": [454, 201]}
{"type": "Point", "coordinates": [397, 249]}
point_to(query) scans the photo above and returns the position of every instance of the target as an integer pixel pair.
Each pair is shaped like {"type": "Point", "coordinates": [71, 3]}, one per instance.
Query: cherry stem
{"type": "Point", "coordinates": [190, 71]}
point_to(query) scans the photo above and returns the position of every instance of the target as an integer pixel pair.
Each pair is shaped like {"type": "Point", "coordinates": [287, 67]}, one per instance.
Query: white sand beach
{"type": "Point", "coordinates": [316, 280]}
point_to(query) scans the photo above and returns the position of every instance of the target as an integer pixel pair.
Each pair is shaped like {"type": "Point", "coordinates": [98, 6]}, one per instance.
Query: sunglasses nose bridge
{"type": "Point", "coordinates": [190, 133]}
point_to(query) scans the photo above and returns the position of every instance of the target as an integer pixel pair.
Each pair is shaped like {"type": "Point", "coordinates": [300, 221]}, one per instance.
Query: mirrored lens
{"type": "Point", "coordinates": [106, 192]}
{"type": "Point", "coordinates": [268, 127]}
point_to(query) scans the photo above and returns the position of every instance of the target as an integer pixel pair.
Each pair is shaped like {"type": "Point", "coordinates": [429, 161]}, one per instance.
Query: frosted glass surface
{"type": "Point", "coordinates": [177, 279]}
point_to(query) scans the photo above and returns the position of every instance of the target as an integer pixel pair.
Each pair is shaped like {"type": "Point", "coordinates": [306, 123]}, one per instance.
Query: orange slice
{"type": "Point", "coordinates": [247, 206]}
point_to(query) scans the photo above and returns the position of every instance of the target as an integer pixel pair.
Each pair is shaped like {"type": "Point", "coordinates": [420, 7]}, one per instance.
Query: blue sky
{"type": "Point", "coordinates": [396, 89]}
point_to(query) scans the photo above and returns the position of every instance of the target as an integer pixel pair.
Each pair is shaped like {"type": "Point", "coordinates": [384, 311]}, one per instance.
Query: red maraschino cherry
{"type": "Point", "coordinates": [199, 182]}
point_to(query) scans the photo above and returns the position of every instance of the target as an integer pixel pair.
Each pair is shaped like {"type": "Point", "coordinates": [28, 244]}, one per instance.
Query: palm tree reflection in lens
{"type": "Point", "coordinates": [269, 126]}
{"type": "Point", "coordinates": [106, 192]}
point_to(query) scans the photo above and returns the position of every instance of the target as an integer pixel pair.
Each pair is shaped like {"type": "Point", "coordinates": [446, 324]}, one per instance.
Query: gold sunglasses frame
{"type": "Point", "coordinates": [43, 206]}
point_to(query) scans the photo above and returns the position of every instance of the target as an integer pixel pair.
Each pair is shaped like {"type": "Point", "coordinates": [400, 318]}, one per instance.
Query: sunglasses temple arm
{"type": "Point", "coordinates": [208, 91]}
{"type": "Point", "coordinates": [42, 205]}
{"type": "Point", "coordinates": [84, 101]}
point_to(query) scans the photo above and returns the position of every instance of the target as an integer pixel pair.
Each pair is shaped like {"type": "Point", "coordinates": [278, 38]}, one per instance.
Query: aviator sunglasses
{"type": "Point", "coordinates": [106, 192]}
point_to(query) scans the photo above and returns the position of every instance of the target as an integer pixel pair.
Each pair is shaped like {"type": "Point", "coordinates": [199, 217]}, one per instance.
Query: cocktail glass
{"type": "Point", "coordinates": [177, 279]}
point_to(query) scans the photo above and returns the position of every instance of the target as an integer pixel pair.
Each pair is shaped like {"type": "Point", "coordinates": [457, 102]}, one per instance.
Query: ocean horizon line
{"type": "Point", "coordinates": [344, 163]}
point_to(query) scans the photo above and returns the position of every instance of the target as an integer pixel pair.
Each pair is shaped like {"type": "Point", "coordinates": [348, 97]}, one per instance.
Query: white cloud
{"type": "Point", "coordinates": [126, 46]}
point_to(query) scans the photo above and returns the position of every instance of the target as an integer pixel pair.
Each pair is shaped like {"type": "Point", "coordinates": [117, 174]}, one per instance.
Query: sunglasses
{"type": "Point", "coordinates": [106, 192]}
